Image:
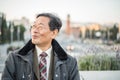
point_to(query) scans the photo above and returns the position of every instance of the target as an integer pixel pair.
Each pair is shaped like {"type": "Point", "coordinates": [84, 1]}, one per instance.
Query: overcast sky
{"type": "Point", "coordinates": [101, 11]}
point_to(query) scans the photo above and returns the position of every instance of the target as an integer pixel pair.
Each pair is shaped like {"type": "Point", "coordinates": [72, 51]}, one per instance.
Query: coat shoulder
{"type": "Point", "coordinates": [71, 58]}
{"type": "Point", "coordinates": [71, 61]}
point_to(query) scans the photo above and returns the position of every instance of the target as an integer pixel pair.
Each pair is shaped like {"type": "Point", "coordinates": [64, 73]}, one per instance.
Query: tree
{"type": "Point", "coordinates": [113, 32]}
{"type": "Point", "coordinates": [22, 30]}
{"type": "Point", "coordinates": [3, 30]}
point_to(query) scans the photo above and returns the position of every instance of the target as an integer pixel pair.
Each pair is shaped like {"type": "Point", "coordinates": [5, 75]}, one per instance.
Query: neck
{"type": "Point", "coordinates": [44, 47]}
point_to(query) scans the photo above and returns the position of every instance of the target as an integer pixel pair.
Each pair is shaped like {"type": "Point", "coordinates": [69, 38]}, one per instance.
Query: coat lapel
{"type": "Point", "coordinates": [51, 68]}
{"type": "Point", "coordinates": [35, 65]}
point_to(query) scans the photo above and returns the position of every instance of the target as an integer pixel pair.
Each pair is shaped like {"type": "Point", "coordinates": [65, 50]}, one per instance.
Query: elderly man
{"type": "Point", "coordinates": [42, 58]}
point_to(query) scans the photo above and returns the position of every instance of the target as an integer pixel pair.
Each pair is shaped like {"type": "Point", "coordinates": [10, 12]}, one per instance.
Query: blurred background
{"type": "Point", "coordinates": [90, 32]}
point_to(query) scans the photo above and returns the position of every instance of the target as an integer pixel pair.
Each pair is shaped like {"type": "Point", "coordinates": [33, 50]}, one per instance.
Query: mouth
{"type": "Point", "coordinates": [34, 36]}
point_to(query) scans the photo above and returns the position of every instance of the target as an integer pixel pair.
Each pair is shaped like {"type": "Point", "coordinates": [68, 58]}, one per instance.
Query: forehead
{"type": "Point", "coordinates": [43, 19]}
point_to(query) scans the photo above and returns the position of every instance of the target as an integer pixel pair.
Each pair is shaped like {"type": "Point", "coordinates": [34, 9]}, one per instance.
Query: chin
{"type": "Point", "coordinates": [34, 41]}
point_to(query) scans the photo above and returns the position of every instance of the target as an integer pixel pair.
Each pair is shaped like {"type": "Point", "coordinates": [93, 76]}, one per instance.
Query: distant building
{"type": "Point", "coordinates": [80, 29]}
{"type": "Point", "coordinates": [88, 30]}
{"type": "Point", "coordinates": [119, 27]}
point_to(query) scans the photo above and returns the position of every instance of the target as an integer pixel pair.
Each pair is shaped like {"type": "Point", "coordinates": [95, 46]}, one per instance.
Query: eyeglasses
{"type": "Point", "coordinates": [39, 26]}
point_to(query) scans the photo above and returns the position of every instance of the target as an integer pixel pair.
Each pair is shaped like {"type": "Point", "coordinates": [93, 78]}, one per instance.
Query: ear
{"type": "Point", "coordinates": [54, 33]}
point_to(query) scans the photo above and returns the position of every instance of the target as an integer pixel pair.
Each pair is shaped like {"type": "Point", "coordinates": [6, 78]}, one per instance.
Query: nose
{"type": "Point", "coordinates": [35, 29]}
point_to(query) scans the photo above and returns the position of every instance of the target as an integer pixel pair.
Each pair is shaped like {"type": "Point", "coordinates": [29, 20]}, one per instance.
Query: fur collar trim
{"type": "Point", "coordinates": [62, 55]}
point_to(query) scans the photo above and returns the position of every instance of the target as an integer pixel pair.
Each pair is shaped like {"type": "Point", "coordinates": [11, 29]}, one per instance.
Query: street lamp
{"type": "Point", "coordinates": [11, 30]}
{"type": "Point", "coordinates": [18, 33]}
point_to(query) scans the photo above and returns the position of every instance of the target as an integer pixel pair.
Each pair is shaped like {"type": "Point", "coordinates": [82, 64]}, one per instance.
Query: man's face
{"type": "Point", "coordinates": [41, 34]}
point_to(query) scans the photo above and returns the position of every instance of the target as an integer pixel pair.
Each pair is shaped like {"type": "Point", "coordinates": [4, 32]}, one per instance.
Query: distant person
{"type": "Point", "coordinates": [42, 58]}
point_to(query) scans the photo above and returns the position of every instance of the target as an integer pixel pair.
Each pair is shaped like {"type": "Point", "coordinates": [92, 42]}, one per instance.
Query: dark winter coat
{"type": "Point", "coordinates": [23, 64]}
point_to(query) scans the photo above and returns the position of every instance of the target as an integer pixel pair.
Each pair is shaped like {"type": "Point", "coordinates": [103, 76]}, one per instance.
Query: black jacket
{"type": "Point", "coordinates": [20, 65]}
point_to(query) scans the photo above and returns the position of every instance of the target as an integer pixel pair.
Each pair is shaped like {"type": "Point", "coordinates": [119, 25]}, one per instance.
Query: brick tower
{"type": "Point", "coordinates": [68, 28]}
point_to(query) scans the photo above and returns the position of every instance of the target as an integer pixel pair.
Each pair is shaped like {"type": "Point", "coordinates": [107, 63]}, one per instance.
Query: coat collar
{"type": "Point", "coordinates": [62, 55]}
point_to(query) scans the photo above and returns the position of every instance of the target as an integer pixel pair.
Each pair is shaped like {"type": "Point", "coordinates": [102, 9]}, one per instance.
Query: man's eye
{"type": "Point", "coordinates": [33, 26]}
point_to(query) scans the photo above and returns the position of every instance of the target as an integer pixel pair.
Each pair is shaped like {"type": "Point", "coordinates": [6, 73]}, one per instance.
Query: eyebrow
{"type": "Point", "coordinates": [41, 23]}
